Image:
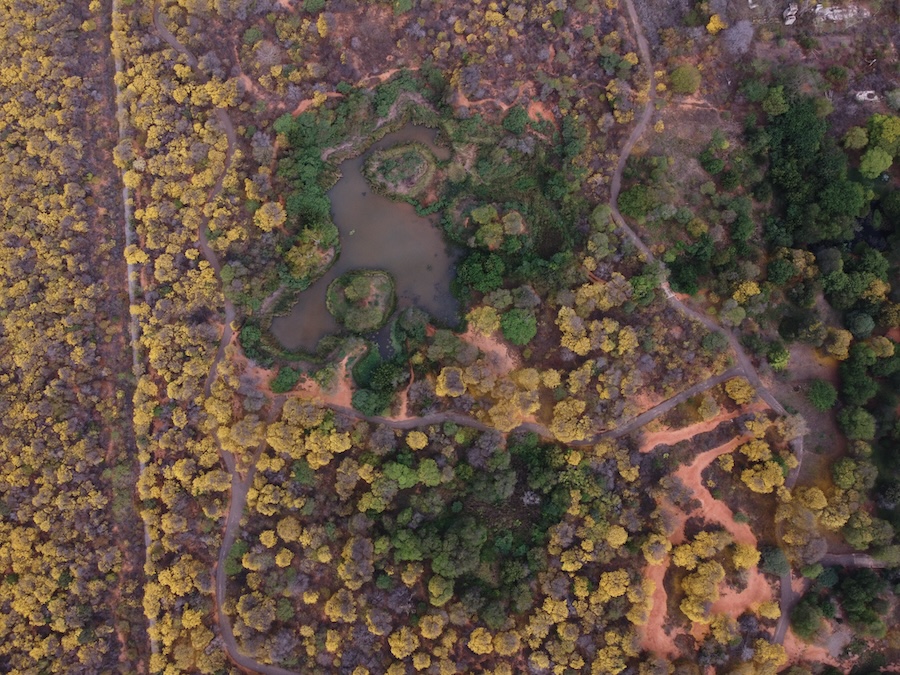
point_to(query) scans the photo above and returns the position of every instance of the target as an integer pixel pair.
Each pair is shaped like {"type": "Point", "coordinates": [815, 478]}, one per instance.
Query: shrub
{"type": "Point", "coordinates": [369, 402]}
{"type": "Point", "coordinates": [515, 120]}
{"type": "Point", "coordinates": [252, 35]}
{"type": "Point", "coordinates": [286, 379]}
{"type": "Point", "coordinates": [822, 395]}
{"type": "Point", "coordinates": [685, 79]}
{"type": "Point", "coordinates": [875, 162]}
{"type": "Point", "coordinates": [806, 618]}
{"type": "Point", "coordinates": [779, 271]}
{"type": "Point", "coordinates": [636, 202]}
{"type": "Point", "coordinates": [857, 424]}
{"type": "Point", "coordinates": [778, 356]}
{"type": "Point", "coordinates": [774, 561]}
{"type": "Point", "coordinates": [710, 163]}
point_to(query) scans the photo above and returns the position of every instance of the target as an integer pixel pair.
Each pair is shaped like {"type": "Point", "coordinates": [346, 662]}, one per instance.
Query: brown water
{"type": "Point", "coordinates": [377, 233]}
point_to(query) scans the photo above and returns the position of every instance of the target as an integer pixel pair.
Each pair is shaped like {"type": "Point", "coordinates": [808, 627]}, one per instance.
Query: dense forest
{"type": "Point", "coordinates": [658, 434]}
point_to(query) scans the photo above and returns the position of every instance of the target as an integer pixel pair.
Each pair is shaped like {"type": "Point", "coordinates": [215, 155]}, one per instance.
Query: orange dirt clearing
{"type": "Point", "coordinates": [654, 638]}
{"type": "Point", "coordinates": [538, 110]}
{"type": "Point", "coordinates": [731, 603]}
{"type": "Point", "coordinates": [340, 395]}
{"type": "Point", "coordinates": [711, 508]}
{"type": "Point", "coordinates": [498, 354]}
{"type": "Point", "coordinates": [672, 436]}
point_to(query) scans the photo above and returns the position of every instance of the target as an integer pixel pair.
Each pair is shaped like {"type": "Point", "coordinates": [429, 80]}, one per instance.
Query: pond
{"type": "Point", "coordinates": [377, 233]}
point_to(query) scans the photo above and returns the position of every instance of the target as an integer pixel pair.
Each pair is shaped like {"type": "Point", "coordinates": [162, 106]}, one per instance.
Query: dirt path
{"type": "Point", "coordinates": [131, 271]}
{"type": "Point", "coordinates": [616, 186]}
{"type": "Point", "coordinates": [788, 598]}
{"type": "Point", "coordinates": [712, 508]}
{"type": "Point", "coordinates": [758, 590]}
{"type": "Point", "coordinates": [672, 436]}
{"type": "Point", "coordinates": [227, 126]}
{"type": "Point", "coordinates": [667, 405]}
{"type": "Point", "coordinates": [731, 602]}
{"type": "Point", "coordinates": [653, 636]}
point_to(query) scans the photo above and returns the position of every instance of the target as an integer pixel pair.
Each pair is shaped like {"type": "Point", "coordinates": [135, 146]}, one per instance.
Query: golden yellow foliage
{"type": "Point", "coordinates": [481, 642]}
{"type": "Point", "coordinates": [715, 24]}
{"type": "Point", "coordinates": [740, 390]}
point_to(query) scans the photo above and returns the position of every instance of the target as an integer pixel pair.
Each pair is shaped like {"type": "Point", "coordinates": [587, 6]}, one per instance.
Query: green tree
{"type": "Point", "coordinates": [774, 103]}
{"type": "Point", "coordinates": [515, 120]}
{"type": "Point", "coordinates": [685, 79]}
{"type": "Point", "coordinates": [857, 424]}
{"type": "Point", "coordinates": [286, 379]}
{"type": "Point", "coordinates": [856, 138]}
{"type": "Point", "coordinates": [822, 395]}
{"type": "Point", "coordinates": [519, 326]}
{"type": "Point", "coordinates": [875, 162]}
{"type": "Point", "coordinates": [636, 202]}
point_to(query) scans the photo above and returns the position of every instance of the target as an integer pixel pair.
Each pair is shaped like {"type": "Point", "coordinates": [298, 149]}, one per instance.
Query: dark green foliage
{"type": "Point", "coordinates": [710, 163]}
{"type": "Point", "coordinates": [755, 90]}
{"type": "Point", "coordinates": [252, 35]}
{"type": "Point", "coordinates": [233, 564]}
{"type": "Point", "coordinates": [480, 271]}
{"type": "Point", "coordinates": [806, 617]}
{"type": "Point", "coordinates": [860, 594]}
{"type": "Point", "coordinates": [685, 79]}
{"type": "Point", "coordinates": [714, 343]}
{"type": "Point", "coordinates": [303, 473]}
{"type": "Point", "coordinates": [464, 529]}
{"type": "Point", "coordinates": [777, 356]}
{"type": "Point", "coordinates": [313, 6]}
{"type": "Point", "coordinates": [644, 286]}
{"type": "Point", "coordinates": [779, 271]}
{"type": "Point", "coordinates": [809, 172]}
{"type": "Point", "coordinates": [773, 561]}
{"type": "Point", "coordinates": [857, 424]}
{"type": "Point", "coordinates": [516, 120]}
{"type": "Point", "coordinates": [857, 386]}
{"type": "Point", "coordinates": [371, 403]}
{"type": "Point", "coordinates": [822, 395]}
{"type": "Point", "coordinates": [386, 94]}
{"type": "Point", "coordinates": [402, 6]}
{"type": "Point", "coordinates": [286, 379]}
{"type": "Point", "coordinates": [365, 365]}
{"type": "Point", "coordinates": [861, 324]}
{"type": "Point", "coordinates": [251, 340]}
{"type": "Point", "coordinates": [636, 202]}
{"type": "Point", "coordinates": [519, 326]}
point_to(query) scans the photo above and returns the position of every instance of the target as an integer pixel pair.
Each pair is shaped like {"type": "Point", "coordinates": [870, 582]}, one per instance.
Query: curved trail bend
{"type": "Point", "coordinates": [788, 597]}
{"type": "Point", "coordinates": [224, 121]}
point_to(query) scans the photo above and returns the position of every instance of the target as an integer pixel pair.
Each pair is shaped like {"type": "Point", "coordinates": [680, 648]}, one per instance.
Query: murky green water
{"type": "Point", "coordinates": [377, 233]}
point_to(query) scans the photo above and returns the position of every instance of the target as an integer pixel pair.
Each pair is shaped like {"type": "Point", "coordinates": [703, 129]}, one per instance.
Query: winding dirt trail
{"type": "Point", "coordinates": [224, 121]}
{"type": "Point", "coordinates": [788, 596]}
{"type": "Point", "coordinates": [730, 602]}
{"type": "Point", "coordinates": [615, 188]}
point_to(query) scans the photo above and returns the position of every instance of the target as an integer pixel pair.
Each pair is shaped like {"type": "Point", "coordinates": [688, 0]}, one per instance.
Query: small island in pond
{"type": "Point", "coordinates": [361, 300]}
{"type": "Point", "coordinates": [401, 172]}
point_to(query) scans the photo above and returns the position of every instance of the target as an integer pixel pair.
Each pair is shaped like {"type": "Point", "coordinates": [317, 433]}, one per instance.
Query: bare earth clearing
{"type": "Point", "coordinates": [730, 602]}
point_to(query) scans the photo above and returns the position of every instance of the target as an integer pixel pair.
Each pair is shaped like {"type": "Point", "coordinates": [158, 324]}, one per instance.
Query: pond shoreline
{"type": "Point", "coordinates": [377, 233]}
